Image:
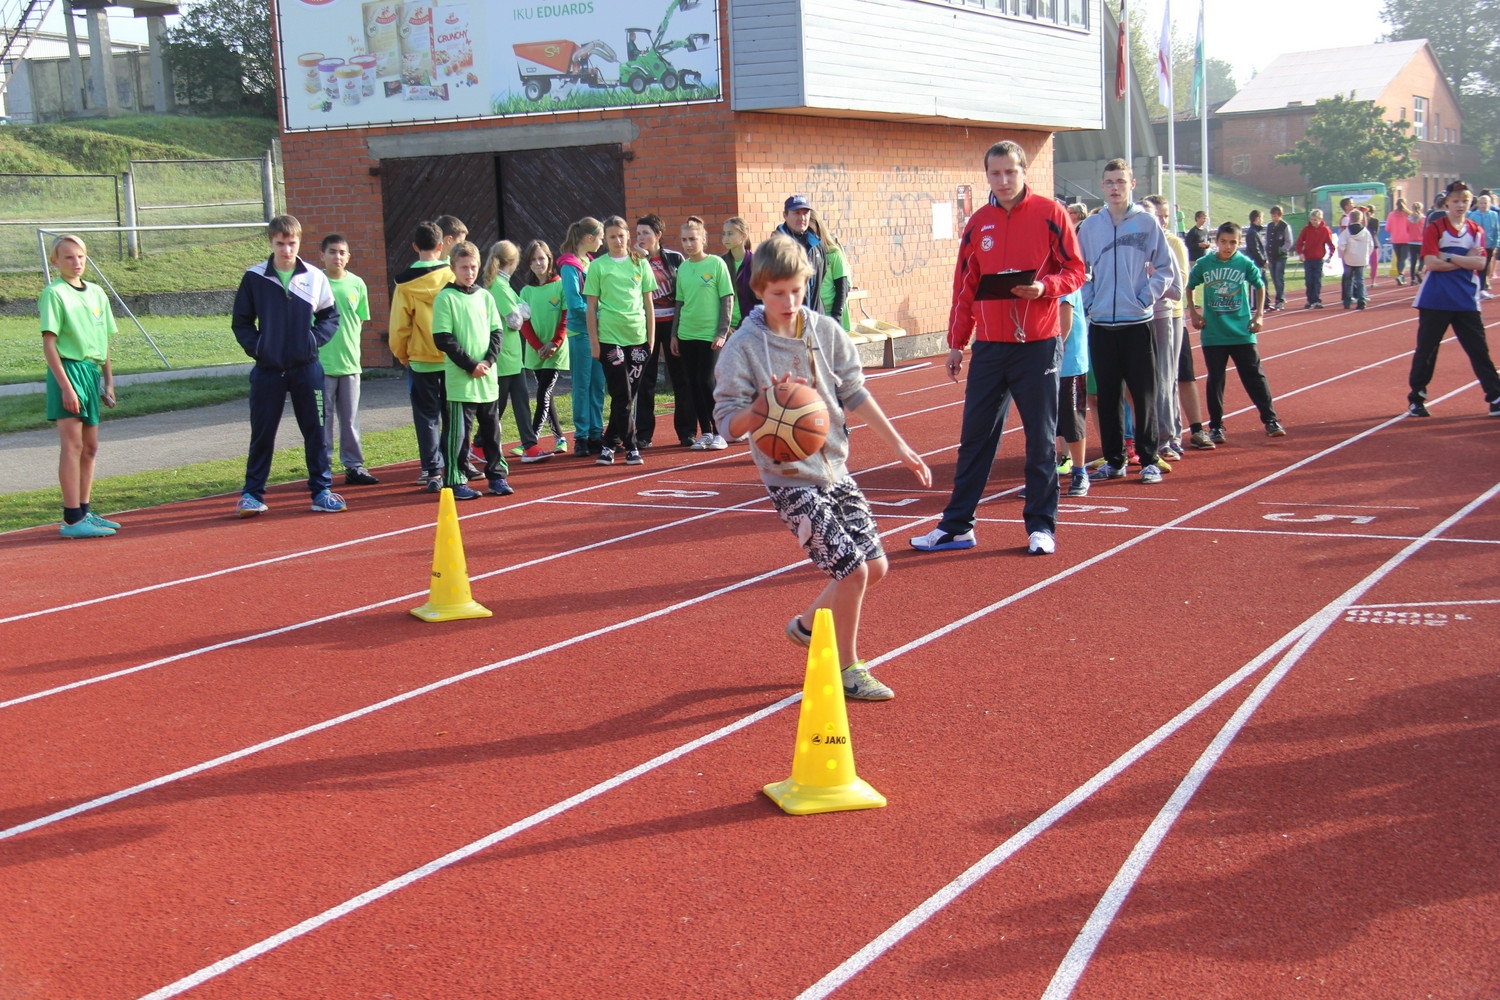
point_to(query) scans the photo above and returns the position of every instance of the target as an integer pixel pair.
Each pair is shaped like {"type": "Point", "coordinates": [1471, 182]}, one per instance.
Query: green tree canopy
{"type": "Point", "coordinates": [1465, 34]}
{"type": "Point", "coordinates": [1349, 140]}
{"type": "Point", "coordinates": [220, 52]}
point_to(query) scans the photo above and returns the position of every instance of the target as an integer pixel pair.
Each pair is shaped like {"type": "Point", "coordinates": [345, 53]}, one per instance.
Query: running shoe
{"type": "Point", "coordinates": [328, 502]}
{"type": "Point", "coordinates": [359, 477]}
{"type": "Point", "coordinates": [1420, 410]}
{"type": "Point", "coordinates": [500, 488]}
{"type": "Point", "coordinates": [435, 483]}
{"type": "Point", "coordinates": [561, 448]}
{"type": "Point", "coordinates": [536, 453]}
{"type": "Point", "coordinates": [717, 443]}
{"type": "Point", "coordinates": [463, 491]}
{"type": "Point", "coordinates": [605, 457]}
{"type": "Point", "coordinates": [862, 686]}
{"type": "Point", "coordinates": [1150, 475]}
{"type": "Point", "coordinates": [1202, 441]}
{"type": "Point", "coordinates": [1495, 408]}
{"type": "Point", "coordinates": [1216, 435]}
{"type": "Point", "coordinates": [633, 457]}
{"type": "Point", "coordinates": [938, 540]}
{"type": "Point", "coordinates": [1107, 471]}
{"type": "Point", "coordinates": [701, 444]}
{"type": "Point", "coordinates": [1079, 487]}
{"type": "Point", "coordinates": [1170, 453]}
{"type": "Point", "coordinates": [1041, 543]}
{"type": "Point", "coordinates": [798, 634]}
{"type": "Point", "coordinates": [1065, 466]}
{"type": "Point", "coordinates": [1275, 430]}
{"type": "Point", "coordinates": [1163, 465]}
{"type": "Point", "coordinates": [249, 506]}
{"type": "Point", "coordinates": [516, 452]}
{"type": "Point", "coordinates": [101, 522]}
{"type": "Point", "coordinates": [84, 529]}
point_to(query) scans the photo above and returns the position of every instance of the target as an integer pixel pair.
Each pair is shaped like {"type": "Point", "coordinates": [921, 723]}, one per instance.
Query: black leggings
{"type": "Point", "coordinates": [698, 358]}
{"type": "Point", "coordinates": [622, 377]}
{"type": "Point", "coordinates": [546, 384]}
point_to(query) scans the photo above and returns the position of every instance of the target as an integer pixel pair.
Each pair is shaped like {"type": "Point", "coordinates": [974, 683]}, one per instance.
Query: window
{"type": "Point", "coordinates": [1419, 116]}
{"type": "Point", "coordinates": [1069, 13]}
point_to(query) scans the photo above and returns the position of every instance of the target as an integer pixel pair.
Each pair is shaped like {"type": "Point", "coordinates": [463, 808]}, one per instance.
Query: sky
{"type": "Point", "coordinates": [1249, 34]}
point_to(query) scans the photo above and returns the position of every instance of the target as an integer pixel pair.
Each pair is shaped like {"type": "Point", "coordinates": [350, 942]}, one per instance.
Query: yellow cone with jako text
{"type": "Point", "coordinates": [448, 596]}
{"type": "Point", "coordinates": [823, 778]}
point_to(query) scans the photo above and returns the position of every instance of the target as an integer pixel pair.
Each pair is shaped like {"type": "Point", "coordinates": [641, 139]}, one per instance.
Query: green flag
{"type": "Point", "coordinates": [1200, 89]}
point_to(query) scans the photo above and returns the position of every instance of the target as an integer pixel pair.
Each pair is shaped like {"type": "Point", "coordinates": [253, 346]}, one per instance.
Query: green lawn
{"type": "Point", "coordinates": [227, 475]}
{"type": "Point", "coordinates": [187, 341]}
{"type": "Point", "coordinates": [189, 269]}
{"type": "Point", "coordinates": [28, 413]}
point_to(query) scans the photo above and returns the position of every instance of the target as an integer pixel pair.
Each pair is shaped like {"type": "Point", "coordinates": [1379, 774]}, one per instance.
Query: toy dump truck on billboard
{"type": "Point", "coordinates": [566, 65]}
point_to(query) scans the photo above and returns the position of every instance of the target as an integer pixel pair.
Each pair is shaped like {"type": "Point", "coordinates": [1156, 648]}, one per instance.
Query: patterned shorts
{"type": "Point", "coordinates": [833, 524]}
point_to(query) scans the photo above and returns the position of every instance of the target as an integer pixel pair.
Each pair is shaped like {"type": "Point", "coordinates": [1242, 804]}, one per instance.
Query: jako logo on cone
{"type": "Point", "coordinates": [448, 596]}
{"type": "Point", "coordinates": [823, 778]}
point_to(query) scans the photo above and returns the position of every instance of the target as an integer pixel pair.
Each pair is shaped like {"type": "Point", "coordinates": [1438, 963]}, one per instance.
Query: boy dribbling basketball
{"type": "Point", "coordinates": [781, 341]}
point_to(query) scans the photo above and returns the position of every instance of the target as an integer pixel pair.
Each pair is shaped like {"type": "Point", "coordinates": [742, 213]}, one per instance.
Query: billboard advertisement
{"type": "Point", "coordinates": [348, 63]}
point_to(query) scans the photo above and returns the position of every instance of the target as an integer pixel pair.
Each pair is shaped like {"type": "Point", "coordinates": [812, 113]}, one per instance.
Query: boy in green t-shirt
{"type": "Point", "coordinates": [705, 300]}
{"type": "Point", "coordinates": [76, 327]}
{"type": "Point", "coordinates": [1234, 303]}
{"type": "Point", "coordinates": [466, 326]}
{"type": "Point", "coordinates": [341, 361]}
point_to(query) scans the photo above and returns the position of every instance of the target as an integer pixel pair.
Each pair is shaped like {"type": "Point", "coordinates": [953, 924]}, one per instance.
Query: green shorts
{"type": "Point", "coordinates": [85, 378]}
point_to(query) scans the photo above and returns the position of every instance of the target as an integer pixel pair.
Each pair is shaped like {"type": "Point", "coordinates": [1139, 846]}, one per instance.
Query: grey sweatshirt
{"type": "Point", "coordinates": [1121, 288]}
{"type": "Point", "coordinates": [753, 356]}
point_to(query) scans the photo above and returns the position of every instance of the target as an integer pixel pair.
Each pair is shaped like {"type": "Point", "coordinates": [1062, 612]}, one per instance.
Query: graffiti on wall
{"type": "Point", "coordinates": [893, 226]}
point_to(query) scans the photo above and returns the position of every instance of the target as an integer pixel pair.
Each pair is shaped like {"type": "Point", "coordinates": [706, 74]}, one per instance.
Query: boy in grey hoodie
{"type": "Point", "coordinates": [1130, 267]}
{"type": "Point", "coordinates": [783, 341]}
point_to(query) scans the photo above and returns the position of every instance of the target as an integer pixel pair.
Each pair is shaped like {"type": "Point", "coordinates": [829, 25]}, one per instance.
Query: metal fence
{"type": "Point", "coordinates": [60, 202]}
{"type": "Point", "coordinates": [192, 193]}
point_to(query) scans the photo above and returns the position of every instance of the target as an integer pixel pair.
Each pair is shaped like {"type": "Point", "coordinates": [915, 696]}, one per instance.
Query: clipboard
{"type": "Point", "coordinates": [1002, 285]}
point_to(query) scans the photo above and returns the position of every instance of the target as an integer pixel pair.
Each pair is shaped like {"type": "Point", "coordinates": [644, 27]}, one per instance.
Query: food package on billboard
{"type": "Point", "coordinates": [415, 91]}
{"type": "Point", "coordinates": [452, 44]}
{"type": "Point", "coordinates": [416, 44]}
{"type": "Point", "coordinates": [383, 36]}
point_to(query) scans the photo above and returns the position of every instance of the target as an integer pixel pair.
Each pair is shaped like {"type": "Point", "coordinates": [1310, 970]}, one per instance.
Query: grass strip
{"type": "Point", "coordinates": [28, 413]}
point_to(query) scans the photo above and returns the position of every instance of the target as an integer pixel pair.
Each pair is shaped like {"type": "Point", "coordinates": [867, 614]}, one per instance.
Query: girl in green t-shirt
{"type": "Point", "coordinates": [544, 335]}
{"type": "Point", "coordinates": [705, 299]}
{"type": "Point", "coordinates": [76, 327]}
{"type": "Point", "coordinates": [499, 265]}
{"type": "Point", "coordinates": [622, 331]}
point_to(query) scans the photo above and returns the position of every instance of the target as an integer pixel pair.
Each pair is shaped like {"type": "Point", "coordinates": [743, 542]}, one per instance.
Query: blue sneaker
{"type": "Point", "coordinates": [328, 502]}
{"type": "Point", "coordinates": [249, 506]}
{"type": "Point", "coordinates": [500, 488]}
{"type": "Point", "coordinates": [938, 540]}
{"type": "Point", "coordinates": [100, 522]}
{"type": "Point", "coordinates": [84, 529]}
{"type": "Point", "coordinates": [463, 491]}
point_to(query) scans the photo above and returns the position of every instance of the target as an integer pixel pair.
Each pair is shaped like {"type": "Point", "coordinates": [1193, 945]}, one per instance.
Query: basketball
{"type": "Point", "coordinates": [794, 422]}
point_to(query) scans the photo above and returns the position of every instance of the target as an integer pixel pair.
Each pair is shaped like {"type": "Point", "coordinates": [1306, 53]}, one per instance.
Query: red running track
{"type": "Point", "coordinates": [1238, 738]}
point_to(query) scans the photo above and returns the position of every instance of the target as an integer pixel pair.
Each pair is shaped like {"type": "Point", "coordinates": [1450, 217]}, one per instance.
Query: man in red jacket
{"type": "Point", "coordinates": [1017, 258]}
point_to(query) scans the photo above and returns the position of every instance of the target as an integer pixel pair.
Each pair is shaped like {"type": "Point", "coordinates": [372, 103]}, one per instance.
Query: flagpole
{"type": "Point", "coordinates": [1125, 54]}
{"type": "Point", "coordinates": [1203, 117]}
{"type": "Point", "coordinates": [1164, 54]}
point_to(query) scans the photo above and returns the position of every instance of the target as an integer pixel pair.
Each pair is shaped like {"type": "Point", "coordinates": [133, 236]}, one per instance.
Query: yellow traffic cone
{"type": "Point", "coordinates": [823, 778]}
{"type": "Point", "coordinates": [448, 596]}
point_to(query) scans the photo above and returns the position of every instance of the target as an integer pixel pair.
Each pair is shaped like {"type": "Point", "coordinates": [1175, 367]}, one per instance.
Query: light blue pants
{"type": "Point", "coordinates": [588, 389]}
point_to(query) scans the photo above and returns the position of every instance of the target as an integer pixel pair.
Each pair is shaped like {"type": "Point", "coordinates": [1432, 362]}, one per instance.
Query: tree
{"type": "Point", "coordinates": [1349, 140]}
{"type": "Point", "coordinates": [1143, 41]}
{"type": "Point", "coordinates": [220, 53]}
{"type": "Point", "coordinates": [1465, 35]}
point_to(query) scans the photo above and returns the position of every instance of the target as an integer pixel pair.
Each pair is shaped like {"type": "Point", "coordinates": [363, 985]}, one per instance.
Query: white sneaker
{"type": "Point", "coordinates": [701, 444]}
{"type": "Point", "coordinates": [1486, 294]}
{"type": "Point", "coordinates": [717, 443]}
{"type": "Point", "coordinates": [938, 540]}
{"type": "Point", "coordinates": [1041, 543]}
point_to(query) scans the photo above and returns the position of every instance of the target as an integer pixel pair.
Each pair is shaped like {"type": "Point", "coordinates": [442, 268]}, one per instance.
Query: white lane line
{"type": "Point", "coordinates": [1341, 506]}
{"type": "Point", "coordinates": [1426, 604]}
{"type": "Point", "coordinates": [273, 560]}
{"type": "Point", "coordinates": [315, 922]}
{"type": "Point", "coordinates": [1127, 526]}
{"type": "Point", "coordinates": [350, 612]}
{"type": "Point", "coordinates": [1076, 961]}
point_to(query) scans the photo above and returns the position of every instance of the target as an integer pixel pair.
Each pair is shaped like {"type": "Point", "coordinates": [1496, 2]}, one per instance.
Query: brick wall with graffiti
{"type": "Point", "coordinates": [895, 196]}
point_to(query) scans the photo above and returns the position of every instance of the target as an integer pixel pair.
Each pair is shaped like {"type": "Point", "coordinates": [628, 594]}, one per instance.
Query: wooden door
{"type": "Point", "coordinates": [421, 188]}
{"type": "Point", "coordinates": [542, 191]}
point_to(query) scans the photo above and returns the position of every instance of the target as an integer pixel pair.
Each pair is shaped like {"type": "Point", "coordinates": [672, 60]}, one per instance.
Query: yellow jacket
{"type": "Point", "coordinates": [411, 312]}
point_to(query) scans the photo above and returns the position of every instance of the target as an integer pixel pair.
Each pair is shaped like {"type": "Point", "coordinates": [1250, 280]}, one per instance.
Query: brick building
{"type": "Point", "coordinates": [1272, 112]}
{"type": "Point", "coordinates": [841, 100]}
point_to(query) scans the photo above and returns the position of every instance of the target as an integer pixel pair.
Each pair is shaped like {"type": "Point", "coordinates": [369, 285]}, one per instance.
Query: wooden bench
{"type": "Point", "coordinates": [879, 331]}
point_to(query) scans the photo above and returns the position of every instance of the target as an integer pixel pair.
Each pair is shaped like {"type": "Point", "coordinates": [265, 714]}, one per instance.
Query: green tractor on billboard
{"type": "Point", "coordinates": [646, 54]}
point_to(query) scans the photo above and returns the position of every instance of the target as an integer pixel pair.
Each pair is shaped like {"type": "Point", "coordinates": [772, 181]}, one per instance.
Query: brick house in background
{"type": "Point", "coordinates": [1270, 114]}
{"type": "Point", "coordinates": [878, 110]}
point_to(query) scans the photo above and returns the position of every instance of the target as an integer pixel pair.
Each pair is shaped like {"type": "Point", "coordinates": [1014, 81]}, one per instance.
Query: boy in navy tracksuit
{"type": "Point", "coordinates": [283, 312]}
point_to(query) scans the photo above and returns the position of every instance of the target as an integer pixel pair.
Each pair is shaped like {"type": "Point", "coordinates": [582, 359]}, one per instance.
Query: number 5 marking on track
{"type": "Point", "coordinates": [1288, 518]}
{"type": "Point", "coordinates": [679, 494]}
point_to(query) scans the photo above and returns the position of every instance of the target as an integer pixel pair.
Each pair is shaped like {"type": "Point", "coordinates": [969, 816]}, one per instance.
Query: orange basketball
{"type": "Point", "coordinates": [794, 422]}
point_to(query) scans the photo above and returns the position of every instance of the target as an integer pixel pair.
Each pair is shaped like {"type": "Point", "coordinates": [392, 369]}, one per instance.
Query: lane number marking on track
{"type": "Point", "coordinates": [891, 503]}
{"type": "Point", "coordinates": [1365, 616]}
{"type": "Point", "coordinates": [1286, 517]}
{"type": "Point", "coordinates": [1087, 508]}
{"type": "Point", "coordinates": [680, 494]}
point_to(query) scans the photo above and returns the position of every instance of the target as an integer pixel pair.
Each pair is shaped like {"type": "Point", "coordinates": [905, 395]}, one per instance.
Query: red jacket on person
{"type": "Point", "coordinates": [1035, 234]}
{"type": "Point", "coordinates": [1316, 242]}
